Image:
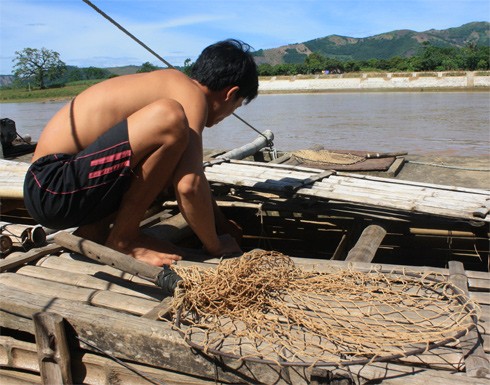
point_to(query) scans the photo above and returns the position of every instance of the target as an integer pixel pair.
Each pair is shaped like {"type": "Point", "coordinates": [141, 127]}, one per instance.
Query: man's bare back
{"type": "Point", "coordinates": [101, 106]}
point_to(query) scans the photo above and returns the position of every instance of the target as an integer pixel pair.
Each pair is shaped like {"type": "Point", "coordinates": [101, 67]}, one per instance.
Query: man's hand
{"type": "Point", "coordinates": [228, 247]}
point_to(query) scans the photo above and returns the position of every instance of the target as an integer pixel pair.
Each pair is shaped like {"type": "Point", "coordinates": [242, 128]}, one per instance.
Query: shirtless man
{"type": "Point", "coordinates": [104, 158]}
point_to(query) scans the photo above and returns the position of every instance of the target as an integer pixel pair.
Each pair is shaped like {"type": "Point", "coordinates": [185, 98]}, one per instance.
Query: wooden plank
{"type": "Point", "coordinates": [84, 265]}
{"type": "Point", "coordinates": [421, 197]}
{"type": "Point", "coordinates": [12, 175]}
{"type": "Point", "coordinates": [477, 364]}
{"type": "Point", "coordinates": [395, 374]}
{"type": "Point", "coordinates": [411, 183]}
{"type": "Point", "coordinates": [30, 256]}
{"type": "Point", "coordinates": [52, 348]}
{"type": "Point", "coordinates": [102, 282]}
{"type": "Point", "coordinates": [12, 377]}
{"type": "Point", "coordinates": [135, 338]}
{"type": "Point", "coordinates": [395, 167]}
{"type": "Point", "coordinates": [88, 368]}
{"type": "Point", "coordinates": [391, 204]}
{"type": "Point", "coordinates": [173, 229]}
{"type": "Point", "coordinates": [102, 298]}
{"type": "Point", "coordinates": [107, 256]}
{"type": "Point", "coordinates": [367, 245]}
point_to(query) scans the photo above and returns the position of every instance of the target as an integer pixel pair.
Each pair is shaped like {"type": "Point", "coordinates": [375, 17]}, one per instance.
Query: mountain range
{"type": "Point", "coordinates": [403, 43]}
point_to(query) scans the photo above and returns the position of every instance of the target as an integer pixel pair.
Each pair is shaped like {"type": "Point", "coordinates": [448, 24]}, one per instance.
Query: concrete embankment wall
{"type": "Point", "coordinates": [372, 82]}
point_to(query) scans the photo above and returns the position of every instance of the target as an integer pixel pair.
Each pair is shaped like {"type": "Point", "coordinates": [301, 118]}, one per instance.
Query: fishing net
{"type": "Point", "coordinates": [261, 307]}
{"type": "Point", "coordinates": [324, 157]}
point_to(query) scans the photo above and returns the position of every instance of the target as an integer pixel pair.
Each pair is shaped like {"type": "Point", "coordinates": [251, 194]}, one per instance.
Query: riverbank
{"type": "Point", "coordinates": [372, 82]}
{"type": "Point", "coordinates": [349, 82]}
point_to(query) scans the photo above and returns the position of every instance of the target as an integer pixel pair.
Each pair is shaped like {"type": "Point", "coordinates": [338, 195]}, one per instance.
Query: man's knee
{"type": "Point", "coordinates": [172, 123]}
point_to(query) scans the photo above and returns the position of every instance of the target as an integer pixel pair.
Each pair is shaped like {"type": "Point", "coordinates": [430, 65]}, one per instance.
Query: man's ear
{"type": "Point", "coordinates": [232, 93]}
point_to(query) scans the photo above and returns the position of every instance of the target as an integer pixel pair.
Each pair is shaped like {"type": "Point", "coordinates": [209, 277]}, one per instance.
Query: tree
{"type": "Point", "coordinates": [38, 66]}
{"type": "Point", "coordinates": [188, 66]}
{"type": "Point", "coordinates": [147, 67]}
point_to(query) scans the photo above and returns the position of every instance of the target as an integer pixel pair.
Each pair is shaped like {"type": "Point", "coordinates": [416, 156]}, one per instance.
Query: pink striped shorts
{"type": "Point", "coordinates": [63, 190]}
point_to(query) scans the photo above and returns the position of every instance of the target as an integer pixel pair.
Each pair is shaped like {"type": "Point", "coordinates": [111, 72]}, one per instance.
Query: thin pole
{"type": "Point", "coordinates": [169, 65]}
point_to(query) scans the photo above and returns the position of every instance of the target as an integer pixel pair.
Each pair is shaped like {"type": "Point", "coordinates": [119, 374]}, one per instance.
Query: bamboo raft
{"type": "Point", "coordinates": [109, 315]}
{"type": "Point", "coordinates": [67, 317]}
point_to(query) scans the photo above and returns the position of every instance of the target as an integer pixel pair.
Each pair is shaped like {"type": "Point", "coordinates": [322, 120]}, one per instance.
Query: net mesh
{"type": "Point", "coordinates": [322, 157]}
{"type": "Point", "coordinates": [262, 307]}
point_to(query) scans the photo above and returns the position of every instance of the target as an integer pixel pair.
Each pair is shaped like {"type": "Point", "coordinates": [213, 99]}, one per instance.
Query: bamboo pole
{"type": "Point", "coordinates": [250, 148]}
{"type": "Point", "coordinates": [133, 338]}
{"type": "Point", "coordinates": [367, 245]}
{"type": "Point", "coordinates": [100, 298]}
{"type": "Point", "coordinates": [52, 348]}
{"type": "Point", "coordinates": [30, 256]}
{"type": "Point", "coordinates": [107, 256]}
{"type": "Point", "coordinates": [5, 244]}
{"type": "Point", "coordinates": [79, 279]}
{"type": "Point", "coordinates": [477, 363]}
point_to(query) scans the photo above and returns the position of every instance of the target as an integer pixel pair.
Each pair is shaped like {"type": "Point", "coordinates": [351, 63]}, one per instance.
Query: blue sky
{"type": "Point", "coordinates": [178, 30]}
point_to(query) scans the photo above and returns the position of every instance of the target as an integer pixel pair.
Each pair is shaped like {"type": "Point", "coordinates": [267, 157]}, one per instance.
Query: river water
{"type": "Point", "coordinates": [421, 123]}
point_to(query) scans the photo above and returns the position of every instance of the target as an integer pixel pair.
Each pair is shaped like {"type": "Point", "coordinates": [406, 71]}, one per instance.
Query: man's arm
{"type": "Point", "coordinates": [195, 199]}
{"type": "Point", "coordinates": [224, 225]}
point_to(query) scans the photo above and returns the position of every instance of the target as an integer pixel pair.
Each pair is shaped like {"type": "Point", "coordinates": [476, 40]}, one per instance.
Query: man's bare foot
{"type": "Point", "coordinates": [148, 249]}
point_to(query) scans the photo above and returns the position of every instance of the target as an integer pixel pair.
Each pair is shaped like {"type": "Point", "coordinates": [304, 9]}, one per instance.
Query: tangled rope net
{"type": "Point", "coordinates": [261, 307]}
{"type": "Point", "coordinates": [324, 157]}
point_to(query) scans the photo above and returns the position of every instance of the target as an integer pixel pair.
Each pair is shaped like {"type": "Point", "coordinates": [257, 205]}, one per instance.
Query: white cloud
{"type": "Point", "coordinates": [180, 30]}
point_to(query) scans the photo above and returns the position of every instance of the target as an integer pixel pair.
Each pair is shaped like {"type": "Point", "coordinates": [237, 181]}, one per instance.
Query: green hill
{"type": "Point", "coordinates": [403, 43]}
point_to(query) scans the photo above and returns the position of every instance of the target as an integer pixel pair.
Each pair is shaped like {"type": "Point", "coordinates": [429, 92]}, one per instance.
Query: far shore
{"type": "Point", "coordinates": [359, 82]}
{"type": "Point", "coordinates": [379, 82]}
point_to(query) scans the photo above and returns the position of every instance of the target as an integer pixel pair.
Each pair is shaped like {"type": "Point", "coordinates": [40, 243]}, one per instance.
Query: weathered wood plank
{"type": "Point", "coordinates": [107, 256]}
{"type": "Point", "coordinates": [55, 290]}
{"type": "Point", "coordinates": [79, 279]}
{"type": "Point", "coordinates": [135, 338]}
{"type": "Point", "coordinates": [71, 262]}
{"type": "Point", "coordinates": [52, 348]}
{"type": "Point", "coordinates": [368, 243]}
{"type": "Point", "coordinates": [30, 256]}
{"type": "Point", "coordinates": [477, 364]}
{"type": "Point", "coordinates": [418, 197]}
{"type": "Point", "coordinates": [88, 368]}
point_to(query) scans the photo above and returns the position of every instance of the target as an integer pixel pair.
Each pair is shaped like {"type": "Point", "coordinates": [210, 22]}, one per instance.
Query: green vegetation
{"type": "Point", "coordinates": [38, 66]}
{"type": "Point", "coordinates": [431, 58]}
{"type": "Point", "coordinates": [41, 75]}
{"type": "Point", "coordinates": [399, 43]}
{"type": "Point", "coordinates": [22, 94]}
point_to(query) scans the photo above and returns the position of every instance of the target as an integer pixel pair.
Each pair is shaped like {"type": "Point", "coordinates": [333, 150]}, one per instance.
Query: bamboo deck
{"type": "Point", "coordinates": [109, 311]}
{"type": "Point", "coordinates": [412, 197]}
{"type": "Point", "coordinates": [316, 216]}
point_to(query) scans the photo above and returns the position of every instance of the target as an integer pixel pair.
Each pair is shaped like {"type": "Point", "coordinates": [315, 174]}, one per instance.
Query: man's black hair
{"type": "Point", "coordinates": [228, 63]}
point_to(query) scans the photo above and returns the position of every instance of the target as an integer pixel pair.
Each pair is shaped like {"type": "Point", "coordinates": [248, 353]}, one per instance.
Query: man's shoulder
{"type": "Point", "coordinates": [171, 73]}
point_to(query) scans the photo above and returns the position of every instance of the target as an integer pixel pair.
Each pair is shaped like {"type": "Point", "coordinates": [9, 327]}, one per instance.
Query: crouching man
{"type": "Point", "coordinates": [105, 156]}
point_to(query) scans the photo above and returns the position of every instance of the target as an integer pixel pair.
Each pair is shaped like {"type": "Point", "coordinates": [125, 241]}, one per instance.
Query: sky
{"type": "Point", "coordinates": [178, 30]}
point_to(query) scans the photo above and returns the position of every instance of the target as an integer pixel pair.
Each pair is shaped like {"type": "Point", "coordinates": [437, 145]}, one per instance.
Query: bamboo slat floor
{"type": "Point", "coordinates": [110, 314]}
{"type": "Point", "coordinates": [104, 308]}
{"type": "Point", "coordinates": [407, 196]}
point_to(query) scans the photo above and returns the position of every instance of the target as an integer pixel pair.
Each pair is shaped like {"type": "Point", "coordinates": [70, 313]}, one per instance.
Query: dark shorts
{"type": "Point", "coordinates": [63, 191]}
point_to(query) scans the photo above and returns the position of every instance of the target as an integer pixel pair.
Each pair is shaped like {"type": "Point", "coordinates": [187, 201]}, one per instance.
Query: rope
{"type": "Point", "coordinates": [451, 167]}
{"type": "Point", "coordinates": [168, 64]}
{"type": "Point", "coordinates": [326, 157]}
{"type": "Point", "coordinates": [261, 307]}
